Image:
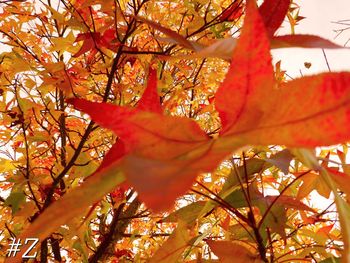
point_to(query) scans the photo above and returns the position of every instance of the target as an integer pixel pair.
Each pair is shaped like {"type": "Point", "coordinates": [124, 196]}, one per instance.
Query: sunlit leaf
{"type": "Point", "coordinates": [273, 13]}
{"type": "Point", "coordinates": [71, 205]}
{"type": "Point", "coordinates": [15, 200]}
{"type": "Point", "coordinates": [186, 214]}
{"type": "Point", "coordinates": [227, 250]}
{"type": "Point", "coordinates": [172, 249]}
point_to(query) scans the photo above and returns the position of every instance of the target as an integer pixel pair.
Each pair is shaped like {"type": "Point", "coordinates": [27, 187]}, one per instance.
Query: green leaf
{"type": "Point", "coordinates": [253, 166]}
{"type": "Point", "coordinates": [331, 260]}
{"type": "Point", "coordinates": [186, 214]}
{"type": "Point", "coordinates": [77, 245]}
{"type": "Point", "coordinates": [15, 200]}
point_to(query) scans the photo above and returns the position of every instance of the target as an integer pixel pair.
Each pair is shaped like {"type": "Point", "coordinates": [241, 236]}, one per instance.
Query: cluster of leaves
{"type": "Point", "coordinates": [206, 96]}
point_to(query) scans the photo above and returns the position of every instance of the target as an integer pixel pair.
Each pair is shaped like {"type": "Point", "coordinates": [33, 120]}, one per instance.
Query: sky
{"type": "Point", "coordinates": [320, 17]}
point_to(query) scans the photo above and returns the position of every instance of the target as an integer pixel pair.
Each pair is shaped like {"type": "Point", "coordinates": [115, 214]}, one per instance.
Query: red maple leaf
{"type": "Point", "coordinates": [92, 41]}
{"type": "Point", "coordinates": [164, 154]}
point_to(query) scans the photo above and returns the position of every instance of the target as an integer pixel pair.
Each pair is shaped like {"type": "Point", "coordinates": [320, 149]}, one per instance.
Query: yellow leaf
{"type": "Point", "coordinates": [172, 249]}
{"type": "Point", "coordinates": [71, 205]}
{"type": "Point", "coordinates": [227, 251]}
{"type": "Point", "coordinates": [6, 165]}
{"type": "Point", "coordinates": [62, 44]}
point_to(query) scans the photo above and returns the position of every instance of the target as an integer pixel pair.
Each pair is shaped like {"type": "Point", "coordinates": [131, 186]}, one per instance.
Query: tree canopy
{"type": "Point", "coordinates": [161, 131]}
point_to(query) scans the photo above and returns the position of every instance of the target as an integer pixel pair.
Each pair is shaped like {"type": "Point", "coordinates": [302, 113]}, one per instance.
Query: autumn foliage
{"type": "Point", "coordinates": [138, 131]}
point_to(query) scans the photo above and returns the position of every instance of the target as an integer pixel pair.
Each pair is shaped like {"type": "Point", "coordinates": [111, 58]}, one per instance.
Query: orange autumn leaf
{"type": "Point", "coordinates": [150, 98]}
{"type": "Point", "coordinates": [160, 150]}
{"type": "Point", "coordinates": [84, 202]}
{"type": "Point", "coordinates": [255, 108]}
{"type": "Point", "coordinates": [159, 181]}
{"type": "Point", "coordinates": [233, 12]}
{"type": "Point", "coordinates": [311, 182]}
{"type": "Point", "coordinates": [325, 230]}
{"type": "Point", "coordinates": [225, 224]}
{"type": "Point", "coordinates": [170, 151]}
{"type": "Point", "coordinates": [144, 132]}
{"type": "Point", "coordinates": [273, 12]}
{"type": "Point", "coordinates": [164, 153]}
{"type": "Point", "coordinates": [148, 102]}
{"type": "Point", "coordinates": [250, 73]}
{"type": "Point", "coordinates": [94, 40]}
{"type": "Point", "coordinates": [88, 43]}
{"type": "Point", "coordinates": [173, 247]}
{"type": "Point", "coordinates": [227, 251]}
{"type": "Point", "coordinates": [324, 104]}
{"type": "Point", "coordinates": [342, 179]}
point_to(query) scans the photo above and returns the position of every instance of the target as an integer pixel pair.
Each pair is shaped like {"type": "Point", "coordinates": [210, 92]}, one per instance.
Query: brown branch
{"type": "Point", "coordinates": [116, 230]}
{"type": "Point", "coordinates": [27, 167]}
{"type": "Point", "coordinates": [56, 250]}
{"type": "Point", "coordinates": [43, 251]}
{"type": "Point", "coordinates": [252, 222]}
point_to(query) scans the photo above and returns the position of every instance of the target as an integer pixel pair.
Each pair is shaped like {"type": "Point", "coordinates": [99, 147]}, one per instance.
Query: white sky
{"type": "Point", "coordinates": [319, 17]}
